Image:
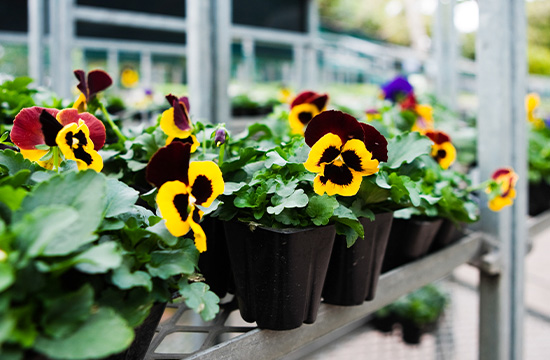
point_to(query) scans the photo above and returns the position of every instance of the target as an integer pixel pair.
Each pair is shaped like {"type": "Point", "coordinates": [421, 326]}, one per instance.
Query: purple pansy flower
{"type": "Point", "coordinates": [396, 89]}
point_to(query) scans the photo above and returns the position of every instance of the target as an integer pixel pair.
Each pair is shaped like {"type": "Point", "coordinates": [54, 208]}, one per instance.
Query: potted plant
{"type": "Point", "coordinates": [419, 312]}
{"type": "Point", "coordinates": [102, 267]}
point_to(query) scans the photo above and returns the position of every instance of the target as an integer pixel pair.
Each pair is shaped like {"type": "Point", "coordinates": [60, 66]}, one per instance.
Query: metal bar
{"type": "Point", "coordinates": [130, 19]}
{"type": "Point", "coordinates": [61, 35]}
{"type": "Point", "coordinates": [129, 45]}
{"type": "Point", "coordinates": [35, 40]}
{"type": "Point", "coordinates": [221, 60]}
{"type": "Point", "coordinates": [265, 344]}
{"type": "Point", "coordinates": [446, 49]}
{"type": "Point", "coordinates": [283, 37]}
{"type": "Point", "coordinates": [502, 142]}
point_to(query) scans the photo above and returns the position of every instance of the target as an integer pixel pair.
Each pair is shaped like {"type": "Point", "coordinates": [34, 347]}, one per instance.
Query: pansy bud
{"type": "Point", "coordinates": [219, 138]}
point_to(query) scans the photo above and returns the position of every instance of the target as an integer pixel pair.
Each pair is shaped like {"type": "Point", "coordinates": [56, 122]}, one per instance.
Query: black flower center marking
{"type": "Point", "coordinates": [202, 189]}
{"type": "Point", "coordinates": [181, 202]}
{"type": "Point", "coordinates": [50, 127]}
{"type": "Point", "coordinates": [305, 117]}
{"type": "Point", "coordinates": [196, 215]}
{"type": "Point", "coordinates": [441, 154]}
{"type": "Point", "coordinates": [329, 155]}
{"type": "Point", "coordinates": [339, 175]}
{"type": "Point", "coordinates": [352, 160]}
{"type": "Point", "coordinates": [77, 142]}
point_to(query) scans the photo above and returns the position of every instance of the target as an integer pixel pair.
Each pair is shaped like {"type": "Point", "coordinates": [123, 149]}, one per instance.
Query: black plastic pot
{"type": "Point", "coordinates": [447, 234]}
{"type": "Point", "coordinates": [411, 333]}
{"type": "Point", "coordinates": [409, 240]}
{"type": "Point", "coordinates": [353, 272]}
{"type": "Point", "coordinates": [214, 263]}
{"type": "Point", "coordinates": [384, 323]}
{"type": "Point", "coordinates": [144, 335]}
{"type": "Point", "coordinates": [279, 273]}
{"type": "Point", "coordinates": [539, 198]}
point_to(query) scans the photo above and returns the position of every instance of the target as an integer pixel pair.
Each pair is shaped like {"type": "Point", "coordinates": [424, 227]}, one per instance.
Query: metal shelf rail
{"type": "Point", "coordinates": [266, 344]}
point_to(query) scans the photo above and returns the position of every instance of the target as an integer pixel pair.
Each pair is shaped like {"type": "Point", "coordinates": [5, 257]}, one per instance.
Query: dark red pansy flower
{"type": "Point", "coordinates": [375, 142]}
{"type": "Point", "coordinates": [336, 122]}
{"type": "Point", "coordinates": [96, 81]}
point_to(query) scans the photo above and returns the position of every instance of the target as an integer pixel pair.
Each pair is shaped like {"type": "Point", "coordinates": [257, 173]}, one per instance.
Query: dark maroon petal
{"type": "Point", "coordinates": [302, 98]}
{"type": "Point", "coordinates": [50, 127]}
{"type": "Point", "coordinates": [336, 122]}
{"type": "Point", "coordinates": [171, 99]}
{"type": "Point", "coordinates": [375, 142]}
{"type": "Point", "coordinates": [181, 118]}
{"type": "Point", "coordinates": [185, 101]}
{"type": "Point", "coordinates": [500, 172]}
{"type": "Point", "coordinates": [320, 101]}
{"type": "Point", "coordinates": [98, 80]}
{"type": "Point", "coordinates": [169, 163]}
{"type": "Point", "coordinates": [82, 85]}
{"type": "Point", "coordinates": [438, 137]}
{"type": "Point", "coordinates": [27, 130]}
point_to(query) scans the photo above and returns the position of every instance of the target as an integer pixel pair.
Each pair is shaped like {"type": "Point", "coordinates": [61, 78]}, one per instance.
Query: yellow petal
{"type": "Point", "coordinates": [300, 116]}
{"type": "Point", "coordinates": [173, 203]}
{"type": "Point", "coordinates": [80, 103]}
{"type": "Point", "coordinates": [75, 144]}
{"type": "Point", "coordinates": [206, 182]}
{"type": "Point", "coordinates": [325, 150]}
{"type": "Point", "coordinates": [361, 159]}
{"type": "Point", "coordinates": [170, 128]}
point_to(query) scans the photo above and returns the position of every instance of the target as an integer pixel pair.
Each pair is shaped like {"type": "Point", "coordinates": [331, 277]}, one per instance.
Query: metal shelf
{"type": "Point", "coordinates": [266, 344]}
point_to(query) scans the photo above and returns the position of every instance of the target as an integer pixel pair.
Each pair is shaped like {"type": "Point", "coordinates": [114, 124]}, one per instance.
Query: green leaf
{"type": "Point", "coordinates": [125, 279]}
{"type": "Point", "coordinates": [167, 263]}
{"type": "Point", "coordinates": [342, 228]}
{"type": "Point", "coordinates": [103, 334]}
{"type": "Point", "coordinates": [51, 231]}
{"type": "Point", "coordinates": [84, 192]}
{"type": "Point", "coordinates": [7, 277]}
{"type": "Point", "coordinates": [371, 192]}
{"type": "Point", "coordinates": [18, 179]}
{"type": "Point", "coordinates": [273, 158]}
{"type": "Point", "coordinates": [12, 197]}
{"type": "Point", "coordinates": [232, 187]}
{"type": "Point", "coordinates": [199, 298]}
{"type": "Point", "coordinates": [297, 200]}
{"type": "Point", "coordinates": [99, 258]}
{"type": "Point", "coordinates": [63, 314]}
{"type": "Point", "coordinates": [407, 147]}
{"type": "Point", "coordinates": [14, 162]}
{"type": "Point", "coordinates": [162, 232]}
{"type": "Point", "coordinates": [321, 208]}
{"type": "Point", "coordinates": [120, 198]}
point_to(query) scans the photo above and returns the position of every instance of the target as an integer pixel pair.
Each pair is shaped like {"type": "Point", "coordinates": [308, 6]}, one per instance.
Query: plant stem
{"type": "Point", "coordinates": [116, 129]}
{"type": "Point", "coordinates": [56, 159]}
{"type": "Point", "coordinates": [222, 152]}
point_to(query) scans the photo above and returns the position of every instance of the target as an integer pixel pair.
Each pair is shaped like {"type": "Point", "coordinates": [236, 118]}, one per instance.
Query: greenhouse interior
{"type": "Point", "coordinates": [186, 179]}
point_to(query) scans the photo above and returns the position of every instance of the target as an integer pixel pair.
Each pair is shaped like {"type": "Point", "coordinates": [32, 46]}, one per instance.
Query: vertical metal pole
{"type": "Point", "coordinates": [298, 80]}
{"type": "Point", "coordinates": [36, 38]}
{"type": "Point", "coordinates": [502, 142]}
{"type": "Point", "coordinates": [249, 57]}
{"type": "Point", "coordinates": [446, 49]}
{"type": "Point", "coordinates": [112, 65]}
{"type": "Point", "coordinates": [312, 72]}
{"type": "Point", "coordinates": [61, 35]}
{"type": "Point", "coordinates": [209, 57]}
{"type": "Point", "coordinates": [146, 69]}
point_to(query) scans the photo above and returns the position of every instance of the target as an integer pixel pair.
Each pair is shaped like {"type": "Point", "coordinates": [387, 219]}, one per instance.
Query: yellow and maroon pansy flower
{"type": "Point", "coordinates": [502, 192]}
{"type": "Point", "coordinates": [181, 187]}
{"type": "Point", "coordinates": [175, 122]}
{"type": "Point", "coordinates": [372, 114]}
{"type": "Point", "coordinates": [443, 151]}
{"type": "Point", "coordinates": [78, 136]}
{"type": "Point", "coordinates": [424, 120]}
{"type": "Point", "coordinates": [304, 108]}
{"type": "Point", "coordinates": [339, 153]}
{"type": "Point", "coordinates": [532, 102]}
{"type": "Point", "coordinates": [96, 81]}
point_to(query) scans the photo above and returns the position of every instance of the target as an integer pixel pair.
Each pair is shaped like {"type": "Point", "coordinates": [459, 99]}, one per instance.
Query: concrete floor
{"type": "Point", "coordinates": [457, 337]}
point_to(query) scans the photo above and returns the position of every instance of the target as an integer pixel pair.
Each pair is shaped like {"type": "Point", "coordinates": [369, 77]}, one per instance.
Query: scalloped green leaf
{"type": "Point", "coordinates": [403, 149]}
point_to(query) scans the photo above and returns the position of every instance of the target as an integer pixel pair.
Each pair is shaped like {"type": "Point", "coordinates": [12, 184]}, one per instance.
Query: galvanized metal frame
{"type": "Point", "coordinates": [501, 83]}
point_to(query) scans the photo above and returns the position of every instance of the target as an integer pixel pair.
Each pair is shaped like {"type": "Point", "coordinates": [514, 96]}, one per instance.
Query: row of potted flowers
{"type": "Point", "coordinates": [109, 228]}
